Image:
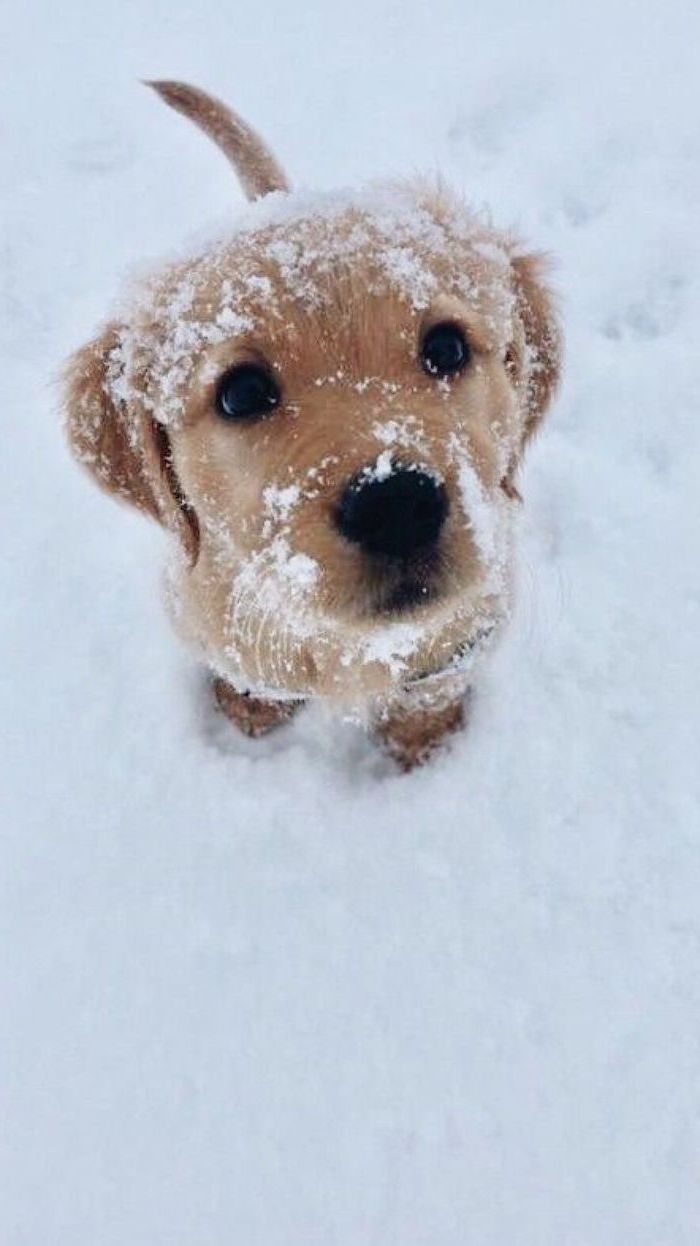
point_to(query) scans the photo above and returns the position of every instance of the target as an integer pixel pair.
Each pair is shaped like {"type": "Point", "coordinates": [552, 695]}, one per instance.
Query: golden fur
{"type": "Point", "coordinates": [334, 296]}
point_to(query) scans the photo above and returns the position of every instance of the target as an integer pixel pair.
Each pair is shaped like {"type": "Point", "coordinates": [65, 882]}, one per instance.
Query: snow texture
{"type": "Point", "coordinates": [272, 993]}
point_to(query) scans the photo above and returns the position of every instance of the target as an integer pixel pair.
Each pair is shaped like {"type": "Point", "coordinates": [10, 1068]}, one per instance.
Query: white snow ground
{"type": "Point", "coordinates": [273, 994]}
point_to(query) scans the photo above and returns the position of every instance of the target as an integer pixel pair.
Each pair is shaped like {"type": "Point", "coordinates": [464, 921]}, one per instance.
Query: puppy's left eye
{"type": "Point", "coordinates": [444, 350]}
{"type": "Point", "coordinates": [247, 392]}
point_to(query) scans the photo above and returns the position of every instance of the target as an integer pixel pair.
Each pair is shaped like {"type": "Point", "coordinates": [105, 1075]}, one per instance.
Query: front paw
{"type": "Point", "coordinates": [411, 734]}
{"type": "Point", "coordinates": [252, 716]}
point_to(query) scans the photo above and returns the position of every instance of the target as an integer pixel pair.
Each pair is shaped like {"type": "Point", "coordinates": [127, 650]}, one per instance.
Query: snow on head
{"type": "Point", "coordinates": [292, 250]}
{"type": "Point", "coordinates": [381, 469]}
{"type": "Point", "coordinates": [279, 503]}
{"type": "Point", "coordinates": [385, 465]}
{"type": "Point", "coordinates": [406, 433]}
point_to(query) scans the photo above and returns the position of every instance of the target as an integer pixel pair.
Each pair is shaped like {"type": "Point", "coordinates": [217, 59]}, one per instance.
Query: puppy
{"type": "Point", "coordinates": [327, 408]}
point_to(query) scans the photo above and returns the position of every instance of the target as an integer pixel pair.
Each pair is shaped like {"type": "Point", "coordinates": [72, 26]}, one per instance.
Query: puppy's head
{"type": "Point", "coordinates": [326, 408]}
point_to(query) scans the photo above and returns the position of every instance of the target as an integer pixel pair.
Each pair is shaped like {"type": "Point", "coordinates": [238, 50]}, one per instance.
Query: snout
{"type": "Point", "coordinates": [396, 516]}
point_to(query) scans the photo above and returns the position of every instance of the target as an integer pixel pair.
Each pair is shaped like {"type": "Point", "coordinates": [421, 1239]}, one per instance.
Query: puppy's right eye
{"type": "Point", "coordinates": [247, 392]}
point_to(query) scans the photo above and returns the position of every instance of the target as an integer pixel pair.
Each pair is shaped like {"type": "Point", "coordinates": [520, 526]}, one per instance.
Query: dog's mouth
{"type": "Point", "coordinates": [400, 586]}
{"type": "Point", "coordinates": [408, 594]}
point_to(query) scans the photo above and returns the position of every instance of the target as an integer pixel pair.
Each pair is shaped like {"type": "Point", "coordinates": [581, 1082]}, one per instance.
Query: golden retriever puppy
{"type": "Point", "coordinates": [327, 408]}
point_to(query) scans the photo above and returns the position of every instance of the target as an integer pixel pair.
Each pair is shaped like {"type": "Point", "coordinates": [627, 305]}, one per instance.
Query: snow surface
{"type": "Point", "coordinates": [273, 994]}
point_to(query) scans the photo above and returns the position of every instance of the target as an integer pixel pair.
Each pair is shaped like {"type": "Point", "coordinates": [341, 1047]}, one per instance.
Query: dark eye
{"type": "Point", "coordinates": [247, 392]}
{"type": "Point", "coordinates": [444, 351]}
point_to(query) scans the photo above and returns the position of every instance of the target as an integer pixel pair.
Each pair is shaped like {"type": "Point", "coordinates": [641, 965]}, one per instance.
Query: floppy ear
{"type": "Point", "coordinates": [538, 373]}
{"type": "Point", "coordinates": [118, 441]}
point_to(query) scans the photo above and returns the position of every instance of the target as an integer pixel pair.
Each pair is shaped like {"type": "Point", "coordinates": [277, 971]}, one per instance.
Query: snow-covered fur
{"type": "Point", "coordinates": [334, 293]}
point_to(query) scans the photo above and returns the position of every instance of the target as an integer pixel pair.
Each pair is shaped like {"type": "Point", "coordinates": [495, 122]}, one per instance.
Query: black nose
{"type": "Point", "coordinates": [394, 516]}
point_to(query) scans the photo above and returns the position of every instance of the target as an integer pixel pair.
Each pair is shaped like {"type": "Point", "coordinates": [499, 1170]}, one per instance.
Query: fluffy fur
{"type": "Point", "coordinates": [334, 294]}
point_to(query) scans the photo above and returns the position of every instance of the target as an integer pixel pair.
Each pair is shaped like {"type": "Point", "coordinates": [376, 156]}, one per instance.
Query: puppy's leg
{"type": "Point", "coordinates": [251, 716]}
{"type": "Point", "coordinates": [413, 727]}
